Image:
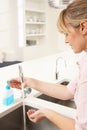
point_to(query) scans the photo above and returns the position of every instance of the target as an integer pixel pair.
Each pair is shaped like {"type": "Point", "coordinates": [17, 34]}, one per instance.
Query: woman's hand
{"type": "Point", "coordinates": [16, 83]}
{"type": "Point", "coordinates": [35, 115]}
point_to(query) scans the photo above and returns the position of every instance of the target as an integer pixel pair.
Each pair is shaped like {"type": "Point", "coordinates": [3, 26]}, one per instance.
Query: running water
{"type": "Point", "coordinates": [23, 96]}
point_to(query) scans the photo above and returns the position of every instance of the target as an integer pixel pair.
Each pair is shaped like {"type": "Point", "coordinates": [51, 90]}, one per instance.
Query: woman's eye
{"type": "Point", "coordinates": [66, 34]}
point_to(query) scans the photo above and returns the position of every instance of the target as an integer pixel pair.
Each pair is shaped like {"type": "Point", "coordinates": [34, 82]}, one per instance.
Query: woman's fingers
{"type": "Point", "coordinates": [35, 115]}
{"type": "Point", "coordinates": [31, 115]}
{"type": "Point", "coordinates": [31, 111]}
{"type": "Point", "coordinates": [15, 83]}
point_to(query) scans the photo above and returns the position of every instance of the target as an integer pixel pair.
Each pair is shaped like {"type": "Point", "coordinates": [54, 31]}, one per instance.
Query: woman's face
{"type": "Point", "coordinates": [76, 39]}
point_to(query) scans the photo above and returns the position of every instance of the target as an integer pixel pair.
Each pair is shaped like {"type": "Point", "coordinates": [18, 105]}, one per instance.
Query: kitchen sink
{"type": "Point", "coordinates": [69, 103]}
{"type": "Point", "coordinates": [64, 82]}
{"type": "Point", "coordinates": [14, 121]}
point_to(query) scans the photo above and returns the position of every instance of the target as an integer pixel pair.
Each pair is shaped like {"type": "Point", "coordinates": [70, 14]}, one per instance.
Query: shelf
{"type": "Point", "coordinates": [35, 11]}
{"type": "Point", "coordinates": [37, 23]}
{"type": "Point", "coordinates": [35, 35]}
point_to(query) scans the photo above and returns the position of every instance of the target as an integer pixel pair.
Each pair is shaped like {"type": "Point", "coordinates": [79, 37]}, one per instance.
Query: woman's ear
{"type": "Point", "coordinates": [83, 27]}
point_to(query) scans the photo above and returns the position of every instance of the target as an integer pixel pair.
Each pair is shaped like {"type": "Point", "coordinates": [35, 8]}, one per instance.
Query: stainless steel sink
{"type": "Point", "coordinates": [14, 121]}
{"type": "Point", "coordinates": [68, 103]}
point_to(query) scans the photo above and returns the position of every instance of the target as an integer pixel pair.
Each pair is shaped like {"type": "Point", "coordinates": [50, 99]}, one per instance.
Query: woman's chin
{"type": "Point", "coordinates": [77, 51]}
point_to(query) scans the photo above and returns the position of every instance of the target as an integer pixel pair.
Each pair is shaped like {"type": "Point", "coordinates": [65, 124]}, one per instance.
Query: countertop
{"type": "Point", "coordinates": [42, 69]}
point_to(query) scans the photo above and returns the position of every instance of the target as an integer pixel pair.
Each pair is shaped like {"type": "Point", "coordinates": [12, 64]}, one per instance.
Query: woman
{"type": "Point", "coordinates": [72, 21]}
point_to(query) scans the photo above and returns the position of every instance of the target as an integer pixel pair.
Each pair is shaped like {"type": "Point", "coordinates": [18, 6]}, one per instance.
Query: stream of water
{"type": "Point", "coordinates": [23, 96]}
{"type": "Point", "coordinates": [24, 112]}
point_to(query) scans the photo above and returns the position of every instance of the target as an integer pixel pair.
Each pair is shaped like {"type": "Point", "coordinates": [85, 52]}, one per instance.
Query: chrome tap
{"type": "Point", "coordinates": [57, 60]}
{"type": "Point", "coordinates": [25, 90]}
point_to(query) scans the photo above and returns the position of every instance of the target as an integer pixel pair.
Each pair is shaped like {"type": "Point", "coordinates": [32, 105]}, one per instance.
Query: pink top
{"type": "Point", "coordinates": [79, 89]}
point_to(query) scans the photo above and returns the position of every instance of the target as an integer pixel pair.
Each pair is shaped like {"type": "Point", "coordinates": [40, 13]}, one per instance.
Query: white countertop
{"type": "Point", "coordinates": [43, 69]}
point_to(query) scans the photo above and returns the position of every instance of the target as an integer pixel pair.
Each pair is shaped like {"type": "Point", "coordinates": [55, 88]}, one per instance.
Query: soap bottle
{"type": "Point", "coordinates": [8, 96]}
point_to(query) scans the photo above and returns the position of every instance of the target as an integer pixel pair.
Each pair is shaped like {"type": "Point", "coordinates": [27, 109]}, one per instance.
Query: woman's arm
{"type": "Point", "coordinates": [61, 121]}
{"type": "Point", "coordinates": [52, 89]}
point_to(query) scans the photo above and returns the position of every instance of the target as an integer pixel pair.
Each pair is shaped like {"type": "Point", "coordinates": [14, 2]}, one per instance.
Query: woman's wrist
{"type": "Point", "coordinates": [26, 82]}
{"type": "Point", "coordinates": [29, 82]}
{"type": "Point", "coordinates": [45, 112]}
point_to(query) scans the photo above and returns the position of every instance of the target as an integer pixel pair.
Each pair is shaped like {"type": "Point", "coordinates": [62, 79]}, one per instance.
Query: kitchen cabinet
{"type": "Point", "coordinates": [35, 21]}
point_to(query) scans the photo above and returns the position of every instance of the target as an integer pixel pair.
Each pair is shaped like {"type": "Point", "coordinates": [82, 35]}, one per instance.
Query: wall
{"type": "Point", "coordinates": [55, 38]}
{"type": "Point", "coordinates": [9, 34]}
{"type": "Point", "coordinates": [8, 29]}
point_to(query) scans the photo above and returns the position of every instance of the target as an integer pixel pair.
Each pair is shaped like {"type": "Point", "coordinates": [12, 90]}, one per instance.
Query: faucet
{"type": "Point", "coordinates": [57, 60]}
{"type": "Point", "coordinates": [26, 91]}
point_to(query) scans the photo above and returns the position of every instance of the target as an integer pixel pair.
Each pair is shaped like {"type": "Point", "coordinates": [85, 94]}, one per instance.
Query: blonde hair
{"type": "Point", "coordinates": [74, 14]}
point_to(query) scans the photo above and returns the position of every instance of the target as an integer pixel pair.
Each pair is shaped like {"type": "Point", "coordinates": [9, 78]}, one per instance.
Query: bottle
{"type": "Point", "coordinates": [8, 96]}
